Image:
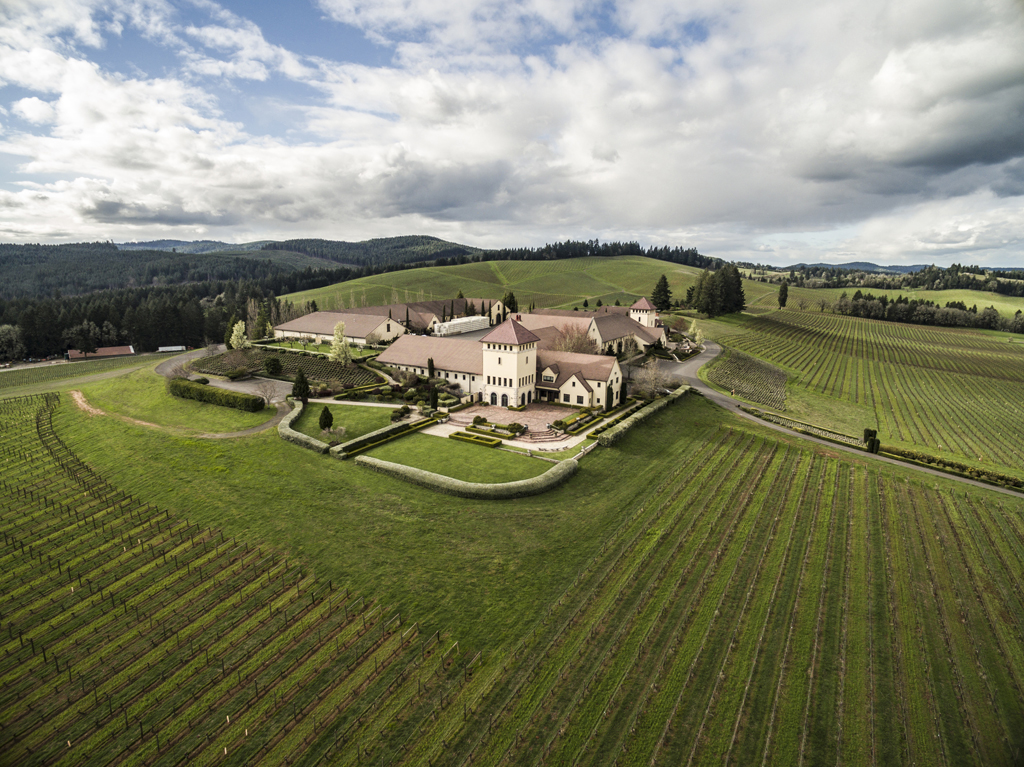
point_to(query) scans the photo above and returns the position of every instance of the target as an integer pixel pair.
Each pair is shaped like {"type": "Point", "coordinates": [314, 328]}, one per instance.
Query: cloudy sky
{"type": "Point", "coordinates": [882, 130]}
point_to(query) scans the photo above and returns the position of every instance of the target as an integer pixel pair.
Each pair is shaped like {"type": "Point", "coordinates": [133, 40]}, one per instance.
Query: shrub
{"type": "Point", "coordinates": [522, 488]}
{"type": "Point", "coordinates": [326, 419]}
{"type": "Point", "coordinates": [475, 439]}
{"type": "Point", "coordinates": [179, 387]}
{"type": "Point", "coordinates": [285, 430]}
{"type": "Point", "coordinates": [616, 433]}
{"type": "Point", "coordinates": [478, 419]}
{"type": "Point", "coordinates": [273, 366]}
{"type": "Point", "coordinates": [237, 373]}
{"type": "Point", "coordinates": [201, 380]}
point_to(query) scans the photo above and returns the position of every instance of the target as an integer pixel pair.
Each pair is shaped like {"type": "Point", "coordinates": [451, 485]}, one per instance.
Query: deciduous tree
{"type": "Point", "coordinates": [340, 350]}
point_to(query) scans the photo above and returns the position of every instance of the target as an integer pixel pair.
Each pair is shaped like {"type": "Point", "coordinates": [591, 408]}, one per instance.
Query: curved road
{"type": "Point", "coordinates": [686, 372]}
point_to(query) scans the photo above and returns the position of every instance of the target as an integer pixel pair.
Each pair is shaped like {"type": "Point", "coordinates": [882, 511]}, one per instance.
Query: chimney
{"type": "Point", "coordinates": [519, 318]}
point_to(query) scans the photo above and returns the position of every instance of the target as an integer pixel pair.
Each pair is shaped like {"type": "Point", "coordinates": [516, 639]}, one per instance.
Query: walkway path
{"type": "Point", "coordinates": [686, 372]}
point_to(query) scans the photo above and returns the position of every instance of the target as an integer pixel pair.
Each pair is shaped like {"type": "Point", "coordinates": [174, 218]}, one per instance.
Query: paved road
{"type": "Point", "coordinates": [686, 372]}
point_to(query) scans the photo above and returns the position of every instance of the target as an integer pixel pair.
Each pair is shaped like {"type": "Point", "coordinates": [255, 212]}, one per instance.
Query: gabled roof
{"type": "Point", "coordinates": [510, 332]}
{"type": "Point", "coordinates": [615, 326]}
{"type": "Point", "coordinates": [585, 367]}
{"type": "Point", "coordinates": [448, 353]}
{"type": "Point", "coordinates": [322, 323]}
{"type": "Point", "coordinates": [644, 305]}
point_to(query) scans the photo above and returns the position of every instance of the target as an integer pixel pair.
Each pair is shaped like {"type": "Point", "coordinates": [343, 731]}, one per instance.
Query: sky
{"type": "Point", "coordinates": [775, 132]}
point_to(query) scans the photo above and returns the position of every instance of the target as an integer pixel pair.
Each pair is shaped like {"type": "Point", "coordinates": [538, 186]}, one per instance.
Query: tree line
{"type": "Point", "coordinates": [923, 312]}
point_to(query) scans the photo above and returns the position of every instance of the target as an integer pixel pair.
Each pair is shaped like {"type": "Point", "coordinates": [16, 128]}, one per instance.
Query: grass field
{"type": "Point", "coordinates": [545, 283]}
{"type": "Point", "coordinates": [810, 608]}
{"type": "Point", "coordinates": [460, 460]}
{"type": "Point", "coordinates": [357, 419]}
{"type": "Point", "coordinates": [565, 284]}
{"type": "Point", "coordinates": [948, 392]}
{"type": "Point", "coordinates": [142, 394]}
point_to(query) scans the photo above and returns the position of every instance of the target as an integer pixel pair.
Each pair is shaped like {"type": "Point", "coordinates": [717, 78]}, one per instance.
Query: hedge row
{"type": "Point", "coordinates": [181, 387]}
{"type": "Point", "coordinates": [522, 488]}
{"type": "Point", "coordinates": [475, 439]}
{"type": "Point", "coordinates": [626, 409]}
{"type": "Point", "coordinates": [955, 467]}
{"type": "Point", "coordinates": [617, 432]}
{"type": "Point", "coordinates": [463, 406]}
{"type": "Point", "coordinates": [378, 437]}
{"type": "Point", "coordinates": [285, 430]}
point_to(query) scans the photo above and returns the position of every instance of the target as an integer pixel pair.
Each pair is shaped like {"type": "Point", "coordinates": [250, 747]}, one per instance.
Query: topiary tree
{"type": "Point", "coordinates": [238, 337]}
{"type": "Point", "coordinates": [326, 419]}
{"type": "Point", "coordinates": [433, 399]}
{"type": "Point", "coordinates": [300, 389]}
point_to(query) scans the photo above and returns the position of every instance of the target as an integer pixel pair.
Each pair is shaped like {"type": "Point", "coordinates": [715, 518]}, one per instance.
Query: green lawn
{"type": "Point", "coordinates": [142, 394]}
{"type": "Point", "coordinates": [461, 460]}
{"type": "Point", "coordinates": [357, 419]}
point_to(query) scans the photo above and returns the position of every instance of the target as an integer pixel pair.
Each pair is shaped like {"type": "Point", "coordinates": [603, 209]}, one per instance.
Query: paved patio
{"type": "Point", "coordinates": [537, 415]}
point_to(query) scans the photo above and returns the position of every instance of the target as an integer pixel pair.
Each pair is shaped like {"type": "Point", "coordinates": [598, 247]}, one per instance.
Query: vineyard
{"type": "Point", "coordinates": [315, 367]}
{"type": "Point", "coordinates": [938, 390]}
{"type": "Point", "coordinates": [46, 374]}
{"type": "Point", "coordinates": [809, 612]}
{"type": "Point", "coordinates": [185, 646]}
{"type": "Point", "coordinates": [752, 600]}
{"type": "Point", "coordinates": [750, 378]}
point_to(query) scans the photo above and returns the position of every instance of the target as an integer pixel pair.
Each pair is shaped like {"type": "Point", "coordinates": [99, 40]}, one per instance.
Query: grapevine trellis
{"type": "Point", "coordinates": [750, 378]}
{"type": "Point", "coordinates": [133, 636]}
{"type": "Point", "coordinates": [316, 368]}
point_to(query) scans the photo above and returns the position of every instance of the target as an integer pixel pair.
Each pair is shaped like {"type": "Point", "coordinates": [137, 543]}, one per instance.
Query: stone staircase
{"type": "Point", "coordinates": [548, 435]}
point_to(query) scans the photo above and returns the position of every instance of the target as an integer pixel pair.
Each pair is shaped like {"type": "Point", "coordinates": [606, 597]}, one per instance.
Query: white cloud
{"type": "Point", "coordinates": [715, 125]}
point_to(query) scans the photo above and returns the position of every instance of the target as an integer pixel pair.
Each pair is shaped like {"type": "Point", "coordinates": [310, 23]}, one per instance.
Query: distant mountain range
{"type": "Point", "coordinates": [860, 266]}
{"type": "Point", "coordinates": [195, 246]}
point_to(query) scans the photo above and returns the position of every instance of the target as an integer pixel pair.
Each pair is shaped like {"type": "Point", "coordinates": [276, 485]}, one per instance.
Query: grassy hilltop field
{"type": "Point", "coordinates": [708, 590]}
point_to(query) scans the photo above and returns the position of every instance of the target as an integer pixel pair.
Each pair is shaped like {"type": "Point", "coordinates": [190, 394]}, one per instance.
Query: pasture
{"type": "Point", "coordinates": [944, 391]}
{"type": "Point", "coordinates": [706, 591]}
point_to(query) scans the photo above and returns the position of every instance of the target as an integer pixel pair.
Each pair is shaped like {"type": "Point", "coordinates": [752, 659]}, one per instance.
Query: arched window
{"type": "Point", "coordinates": [494, 398]}
{"type": "Point", "coordinates": [504, 400]}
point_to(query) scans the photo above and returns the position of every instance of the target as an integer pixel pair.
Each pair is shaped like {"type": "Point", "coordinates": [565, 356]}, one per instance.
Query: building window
{"type": "Point", "coordinates": [579, 400]}
{"type": "Point", "coordinates": [574, 384]}
{"type": "Point", "coordinates": [565, 398]}
{"type": "Point", "coordinates": [549, 379]}
{"type": "Point", "coordinates": [387, 328]}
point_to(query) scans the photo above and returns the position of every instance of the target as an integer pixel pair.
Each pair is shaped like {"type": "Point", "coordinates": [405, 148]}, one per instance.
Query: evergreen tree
{"type": "Point", "coordinates": [430, 367]}
{"type": "Point", "coordinates": [300, 389]}
{"type": "Point", "coordinates": [733, 298]}
{"type": "Point", "coordinates": [586, 304]}
{"type": "Point", "coordinates": [229, 329]}
{"type": "Point", "coordinates": [326, 419]}
{"type": "Point", "coordinates": [783, 294]}
{"type": "Point", "coordinates": [661, 296]}
{"type": "Point", "coordinates": [511, 304]}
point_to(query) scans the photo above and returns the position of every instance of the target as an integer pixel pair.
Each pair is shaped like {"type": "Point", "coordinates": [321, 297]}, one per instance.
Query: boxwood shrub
{"type": "Point", "coordinates": [522, 488]}
{"type": "Point", "coordinates": [475, 439]}
{"type": "Point", "coordinates": [186, 389]}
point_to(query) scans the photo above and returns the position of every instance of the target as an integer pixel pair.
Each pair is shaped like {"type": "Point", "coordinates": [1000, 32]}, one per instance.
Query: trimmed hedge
{"type": "Point", "coordinates": [378, 437]}
{"type": "Point", "coordinates": [475, 439]}
{"type": "Point", "coordinates": [186, 389]}
{"type": "Point", "coordinates": [463, 406]}
{"type": "Point", "coordinates": [285, 430]}
{"type": "Point", "coordinates": [522, 488]}
{"type": "Point", "coordinates": [617, 432]}
{"type": "Point", "coordinates": [954, 467]}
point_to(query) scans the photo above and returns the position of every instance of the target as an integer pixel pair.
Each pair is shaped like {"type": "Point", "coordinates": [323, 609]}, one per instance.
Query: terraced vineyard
{"type": "Point", "coordinates": [61, 371]}
{"type": "Point", "coordinates": [185, 646]}
{"type": "Point", "coordinates": [938, 390]}
{"type": "Point", "coordinates": [316, 368]}
{"type": "Point", "coordinates": [750, 378]}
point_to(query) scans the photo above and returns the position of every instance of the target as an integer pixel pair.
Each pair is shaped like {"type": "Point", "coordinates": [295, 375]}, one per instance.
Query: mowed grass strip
{"type": "Point", "coordinates": [460, 460]}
